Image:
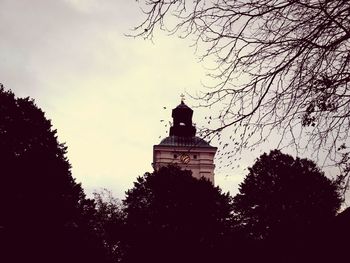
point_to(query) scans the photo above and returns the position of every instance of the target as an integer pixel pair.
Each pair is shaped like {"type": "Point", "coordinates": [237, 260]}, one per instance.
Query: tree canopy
{"type": "Point", "coordinates": [45, 216]}
{"type": "Point", "coordinates": [280, 64]}
{"type": "Point", "coordinates": [287, 206]}
{"type": "Point", "coordinates": [109, 223]}
{"type": "Point", "coordinates": [173, 217]}
{"type": "Point", "coordinates": [283, 196]}
{"type": "Point", "coordinates": [36, 181]}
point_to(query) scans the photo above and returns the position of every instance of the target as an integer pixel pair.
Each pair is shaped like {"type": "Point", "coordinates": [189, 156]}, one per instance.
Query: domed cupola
{"type": "Point", "coordinates": [182, 121]}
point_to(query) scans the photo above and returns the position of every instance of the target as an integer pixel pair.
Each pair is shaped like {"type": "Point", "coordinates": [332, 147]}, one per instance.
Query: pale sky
{"type": "Point", "coordinates": [104, 92]}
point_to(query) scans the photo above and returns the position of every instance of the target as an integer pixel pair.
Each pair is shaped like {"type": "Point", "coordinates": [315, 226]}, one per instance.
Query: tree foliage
{"type": "Point", "coordinates": [284, 197]}
{"type": "Point", "coordinates": [280, 64]}
{"type": "Point", "coordinates": [109, 223]}
{"type": "Point", "coordinates": [173, 217]}
{"type": "Point", "coordinates": [45, 216]}
{"type": "Point", "coordinates": [36, 182]}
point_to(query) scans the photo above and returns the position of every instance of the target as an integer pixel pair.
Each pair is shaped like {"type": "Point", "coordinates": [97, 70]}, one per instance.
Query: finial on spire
{"type": "Point", "coordinates": [182, 97]}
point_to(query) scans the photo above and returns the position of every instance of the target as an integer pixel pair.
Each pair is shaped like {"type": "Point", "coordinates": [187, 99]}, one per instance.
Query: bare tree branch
{"type": "Point", "coordinates": [280, 64]}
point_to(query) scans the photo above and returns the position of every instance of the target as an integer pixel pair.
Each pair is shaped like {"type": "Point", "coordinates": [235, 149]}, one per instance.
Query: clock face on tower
{"type": "Point", "coordinates": [185, 158]}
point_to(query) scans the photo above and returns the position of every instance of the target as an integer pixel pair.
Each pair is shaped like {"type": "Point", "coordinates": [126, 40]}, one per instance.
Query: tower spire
{"type": "Point", "coordinates": [182, 98]}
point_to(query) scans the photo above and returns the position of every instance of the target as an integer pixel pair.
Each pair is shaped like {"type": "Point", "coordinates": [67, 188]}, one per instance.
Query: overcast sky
{"type": "Point", "coordinates": [105, 93]}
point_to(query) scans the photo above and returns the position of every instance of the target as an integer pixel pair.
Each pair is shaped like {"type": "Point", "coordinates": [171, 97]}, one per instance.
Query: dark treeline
{"type": "Point", "coordinates": [286, 209]}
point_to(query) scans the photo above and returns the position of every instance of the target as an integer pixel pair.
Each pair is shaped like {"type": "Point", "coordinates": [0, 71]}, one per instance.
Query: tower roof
{"type": "Point", "coordinates": [182, 105]}
{"type": "Point", "coordinates": [185, 141]}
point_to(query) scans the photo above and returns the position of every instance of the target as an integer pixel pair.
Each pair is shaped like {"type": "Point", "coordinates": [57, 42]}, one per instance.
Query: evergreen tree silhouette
{"type": "Point", "coordinates": [44, 214]}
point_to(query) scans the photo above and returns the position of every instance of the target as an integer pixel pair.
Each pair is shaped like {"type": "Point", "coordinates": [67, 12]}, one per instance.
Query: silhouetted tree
{"type": "Point", "coordinates": [109, 222]}
{"type": "Point", "coordinates": [173, 217]}
{"type": "Point", "coordinates": [334, 240]}
{"type": "Point", "coordinates": [44, 216]}
{"type": "Point", "coordinates": [339, 237]}
{"type": "Point", "coordinates": [284, 200]}
{"type": "Point", "coordinates": [283, 193]}
{"type": "Point", "coordinates": [279, 65]}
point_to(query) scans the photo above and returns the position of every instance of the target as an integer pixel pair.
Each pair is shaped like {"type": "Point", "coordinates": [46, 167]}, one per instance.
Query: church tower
{"type": "Point", "coordinates": [184, 148]}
